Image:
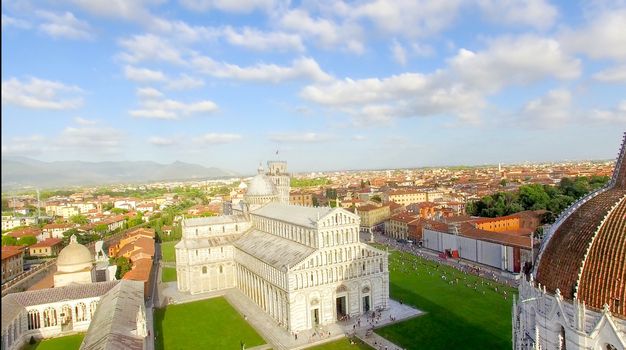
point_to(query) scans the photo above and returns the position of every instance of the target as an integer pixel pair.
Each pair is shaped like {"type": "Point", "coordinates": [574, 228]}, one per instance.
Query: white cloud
{"type": "Point", "coordinates": [602, 38]}
{"type": "Point", "coordinates": [255, 39]}
{"type": "Point", "coordinates": [149, 47]}
{"type": "Point", "coordinates": [24, 146]}
{"type": "Point", "coordinates": [217, 138]}
{"type": "Point", "coordinates": [422, 50]}
{"type": "Point", "coordinates": [233, 6]}
{"type": "Point", "coordinates": [64, 25]}
{"type": "Point", "coordinates": [162, 141]}
{"type": "Point", "coordinates": [616, 115]}
{"type": "Point", "coordinates": [124, 9]}
{"type": "Point", "coordinates": [358, 137]}
{"type": "Point", "coordinates": [302, 68]}
{"type": "Point", "coordinates": [154, 105]}
{"type": "Point", "coordinates": [149, 93]}
{"type": "Point", "coordinates": [538, 14]}
{"type": "Point", "coordinates": [184, 82]}
{"type": "Point", "coordinates": [180, 31]}
{"type": "Point", "coordinates": [8, 21]}
{"type": "Point", "coordinates": [550, 110]}
{"type": "Point", "coordinates": [294, 137]}
{"type": "Point", "coordinates": [614, 74]}
{"type": "Point", "coordinates": [514, 60]}
{"type": "Point", "coordinates": [82, 121]}
{"type": "Point", "coordinates": [398, 52]}
{"type": "Point", "coordinates": [91, 139]}
{"type": "Point", "coordinates": [143, 75]}
{"type": "Point", "coordinates": [326, 32]}
{"type": "Point", "coordinates": [411, 18]}
{"type": "Point", "coordinates": [40, 94]}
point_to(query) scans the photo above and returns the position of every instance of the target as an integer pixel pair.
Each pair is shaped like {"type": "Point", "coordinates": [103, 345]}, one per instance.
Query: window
{"type": "Point", "coordinates": [221, 269]}
{"type": "Point", "coordinates": [33, 319]}
{"type": "Point", "coordinates": [49, 317]}
{"type": "Point", "coordinates": [562, 339]}
{"type": "Point", "coordinates": [204, 270]}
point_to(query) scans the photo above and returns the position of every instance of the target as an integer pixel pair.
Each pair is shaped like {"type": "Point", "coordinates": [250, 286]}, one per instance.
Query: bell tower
{"type": "Point", "coordinates": [277, 172]}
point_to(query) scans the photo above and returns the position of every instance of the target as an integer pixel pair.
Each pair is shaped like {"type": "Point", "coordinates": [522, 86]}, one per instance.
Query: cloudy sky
{"type": "Point", "coordinates": [330, 84]}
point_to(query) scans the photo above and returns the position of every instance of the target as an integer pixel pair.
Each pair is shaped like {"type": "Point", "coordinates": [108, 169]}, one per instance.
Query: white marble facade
{"type": "Point", "coordinates": [545, 321]}
{"type": "Point", "coordinates": [303, 266]}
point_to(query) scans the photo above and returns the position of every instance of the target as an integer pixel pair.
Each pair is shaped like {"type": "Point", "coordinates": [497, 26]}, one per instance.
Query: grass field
{"type": "Point", "coordinates": [168, 274]}
{"type": "Point", "coordinates": [205, 324]}
{"type": "Point", "coordinates": [69, 342]}
{"type": "Point", "coordinates": [168, 252]}
{"type": "Point", "coordinates": [458, 317]}
{"type": "Point", "coordinates": [343, 344]}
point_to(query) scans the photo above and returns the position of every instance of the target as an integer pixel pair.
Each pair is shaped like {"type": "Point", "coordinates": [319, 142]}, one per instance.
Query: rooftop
{"type": "Point", "coordinates": [276, 251]}
{"type": "Point", "coordinates": [301, 216]}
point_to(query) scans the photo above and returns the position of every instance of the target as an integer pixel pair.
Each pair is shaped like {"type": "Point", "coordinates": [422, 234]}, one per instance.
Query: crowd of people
{"type": "Point", "coordinates": [458, 264]}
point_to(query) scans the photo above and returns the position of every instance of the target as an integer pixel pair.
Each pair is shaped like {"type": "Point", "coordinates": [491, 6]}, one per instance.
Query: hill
{"type": "Point", "coordinates": [20, 172]}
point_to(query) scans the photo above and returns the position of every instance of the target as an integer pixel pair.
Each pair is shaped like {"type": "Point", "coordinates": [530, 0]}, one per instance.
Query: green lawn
{"type": "Point", "coordinates": [168, 252]}
{"type": "Point", "coordinates": [458, 317]}
{"type": "Point", "coordinates": [343, 344]}
{"type": "Point", "coordinates": [62, 343]}
{"type": "Point", "coordinates": [205, 324]}
{"type": "Point", "coordinates": [168, 274]}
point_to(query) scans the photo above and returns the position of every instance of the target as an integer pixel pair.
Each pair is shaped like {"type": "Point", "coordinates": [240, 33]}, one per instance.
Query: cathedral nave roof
{"type": "Point", "coordinates": [273, 250]}
{"type": "Point", "coordinates": [301, 216]}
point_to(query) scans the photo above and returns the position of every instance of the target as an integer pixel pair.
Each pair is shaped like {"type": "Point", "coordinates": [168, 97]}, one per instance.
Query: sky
{"type": "Point", "coordinates": [324, 85]}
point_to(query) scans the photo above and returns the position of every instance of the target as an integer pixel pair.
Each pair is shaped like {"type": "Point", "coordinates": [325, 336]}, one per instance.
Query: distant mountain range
{"type": "Point", "coordinates": [20, 172]}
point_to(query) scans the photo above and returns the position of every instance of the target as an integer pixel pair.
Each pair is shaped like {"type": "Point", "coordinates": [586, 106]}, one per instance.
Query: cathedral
{"type": "Point", "coordinates": [576, 296]}
{"type": "Point", "coordinates": [303, 266]}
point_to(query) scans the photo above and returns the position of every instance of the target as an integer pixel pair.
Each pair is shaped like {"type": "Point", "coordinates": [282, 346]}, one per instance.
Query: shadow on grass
{"type": "Point", "coordinates": [438, 329]}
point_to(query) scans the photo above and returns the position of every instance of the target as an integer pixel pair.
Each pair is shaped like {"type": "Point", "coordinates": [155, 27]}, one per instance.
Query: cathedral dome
{"type": "Point", "coordinates": [584, 257]}
{"type": "Point", "coordinates": [261, 185]}
{"type": "Point", "coordinates": [74, 257]}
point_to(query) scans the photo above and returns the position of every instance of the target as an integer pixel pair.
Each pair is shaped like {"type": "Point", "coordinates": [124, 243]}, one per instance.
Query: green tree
{"type": "Point", "coordinates": [101, 228]}
{"type": "Point", "coordinates": [79, 219]}
{"type": "Point", "coordinates": [27, 240]}
{"type": "Point", "coordinates": [123, 266]}
{"type": "Point", "coordinates": [9, 240]}
{"type": "Point", "coordinates": [119, 211]}
{"type": "Point", "coordinates": [503, 182]}
{"type": "Point", "coordinates": [376, 198]}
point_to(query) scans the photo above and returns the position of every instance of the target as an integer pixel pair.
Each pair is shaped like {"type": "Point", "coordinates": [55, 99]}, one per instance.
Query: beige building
{"type": "Point", "coordinates": [372, 216]}
{"type": "Point", "coordinates": [398, 225]}
{"type": "Point", "coordinates": [47, 247]}
{"type": "Point", "coordinates": [303, 266]}
{"type": "Point", "coordinates": [300, 198]}
{"type": "Point", "coordinates": [406, 197]}
{"type": "Point", "coordinates": [12, 262]}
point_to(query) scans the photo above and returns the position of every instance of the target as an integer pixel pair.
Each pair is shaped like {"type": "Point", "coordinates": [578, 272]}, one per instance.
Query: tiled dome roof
{"type": "Point", "coordinates": [585, 257]}
{"type": "Point", "coordinates": [261, 185]}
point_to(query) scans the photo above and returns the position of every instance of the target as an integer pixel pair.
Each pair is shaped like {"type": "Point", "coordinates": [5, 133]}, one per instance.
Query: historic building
{"type": "Point", "coordinates": [92, 308]}
{"type": "Point", "coordinates": [304, 266]}
{"type": "Point", "coordinates": [575, 297]}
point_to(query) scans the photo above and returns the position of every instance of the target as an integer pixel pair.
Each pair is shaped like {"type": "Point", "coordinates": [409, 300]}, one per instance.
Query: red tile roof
{"type": "Point", "coordinates": [48, 242]}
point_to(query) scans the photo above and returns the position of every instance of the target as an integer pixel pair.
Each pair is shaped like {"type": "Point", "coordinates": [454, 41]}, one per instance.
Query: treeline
{"type": "Point", "coordinates": [554, 199]}
{"type": "Point", "coordinates": [318, 181]}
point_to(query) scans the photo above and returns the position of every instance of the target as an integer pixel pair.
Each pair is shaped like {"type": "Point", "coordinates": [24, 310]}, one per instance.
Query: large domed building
{"type": "Point", "coordinates": [576, 296]}
{"type": "Point", "coordinates": [74, 264]}
{"type": "Point", "coordinates": [260, 190]}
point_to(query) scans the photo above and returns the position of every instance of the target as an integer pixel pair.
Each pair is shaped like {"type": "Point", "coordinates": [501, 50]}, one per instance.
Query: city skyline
{"type": "Point", "coordinates": [331, 85]}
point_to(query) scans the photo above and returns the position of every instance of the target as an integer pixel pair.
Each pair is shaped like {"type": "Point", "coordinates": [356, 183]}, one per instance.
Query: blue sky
{"type": "Point", "coordinates": [330, 84]}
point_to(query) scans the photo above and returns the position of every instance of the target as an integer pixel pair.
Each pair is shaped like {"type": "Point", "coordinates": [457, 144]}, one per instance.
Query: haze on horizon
{"type": "Point", "coordinates": [330, 85]}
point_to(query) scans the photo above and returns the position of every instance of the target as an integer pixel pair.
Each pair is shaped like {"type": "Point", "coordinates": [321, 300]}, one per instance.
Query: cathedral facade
{"type": "Point", "coordinates": [303, 266]}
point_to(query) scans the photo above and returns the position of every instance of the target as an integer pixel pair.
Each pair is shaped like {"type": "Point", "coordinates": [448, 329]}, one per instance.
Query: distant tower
{"type": "Point", "coordinates": [277, 172]}
{"type": "Point", "coordinates": [499, 168]}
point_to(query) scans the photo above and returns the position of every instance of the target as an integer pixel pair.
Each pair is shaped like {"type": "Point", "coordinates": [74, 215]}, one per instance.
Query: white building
{"type": "Point", "coordinates": [90, 308]}
{"type": "Point", "coordinates": [576, 296]}
{"type": "Point", "coordinates": [303, 266]}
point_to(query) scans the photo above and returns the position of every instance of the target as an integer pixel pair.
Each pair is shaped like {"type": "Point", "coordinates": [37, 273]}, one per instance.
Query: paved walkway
{"type": "Point", "coordinates": [363, 326]}
{"type": "Point", "coordinates": [278, 337]}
